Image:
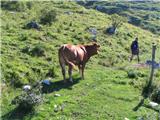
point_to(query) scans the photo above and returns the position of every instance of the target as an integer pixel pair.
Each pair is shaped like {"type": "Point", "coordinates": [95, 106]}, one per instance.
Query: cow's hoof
{"type": "Point", "coordinates": [70, 80]}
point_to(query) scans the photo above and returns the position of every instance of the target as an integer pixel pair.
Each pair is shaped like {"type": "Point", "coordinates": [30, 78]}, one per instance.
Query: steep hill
{"type": "Point", "coordinates": [30, 55]}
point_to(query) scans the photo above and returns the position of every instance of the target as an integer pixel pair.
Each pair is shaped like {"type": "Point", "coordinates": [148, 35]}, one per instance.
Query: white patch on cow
{"type": "Point", "coordinates": [75, 53]}
{"type": "Point", "coordinates": [64, 46]}
{"type": "Point", "coordinates": [83, 48]}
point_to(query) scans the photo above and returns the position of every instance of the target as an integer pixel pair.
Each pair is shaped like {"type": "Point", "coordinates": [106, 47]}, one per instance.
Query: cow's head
{"type": "Point", "coordinates": [96, 48]}
{"type": "Point", "coordinates": [92, 49]}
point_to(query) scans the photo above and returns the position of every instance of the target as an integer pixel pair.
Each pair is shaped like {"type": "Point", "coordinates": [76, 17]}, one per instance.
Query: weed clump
{"type": "Point", "coordinates": [132, 74]}
{"type": "Point", "coordinates": [48, 16]}
{"type": "Point", "coordinates": [18, 6]}
{"type": "Point", "coordinates": [156, 95]}
{"type": "Point", "coordinates": [38, 50]}
{"type": "Point", "coordinates": [29, 99]}
{"type": "Point", "coordinates": [51, 72]}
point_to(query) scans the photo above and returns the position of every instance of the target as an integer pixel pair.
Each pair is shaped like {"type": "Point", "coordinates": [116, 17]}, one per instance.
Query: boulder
{"type": "Point", "coordinates": [111, 30]}
{"type": "Point", "coordinates": [33, 25]}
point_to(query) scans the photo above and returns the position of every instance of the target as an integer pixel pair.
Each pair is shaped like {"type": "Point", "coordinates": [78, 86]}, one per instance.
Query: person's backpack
{"type": "Point", "coordinates": [134, 45]}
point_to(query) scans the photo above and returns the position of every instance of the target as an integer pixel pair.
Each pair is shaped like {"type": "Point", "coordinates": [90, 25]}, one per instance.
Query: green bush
{"type": "Point", "coordinates": [26, 49]}
{"type": "Point", "coordinates": [132, 74]}
{"type": "Point", "coordinates": [38, 50]}
{"type": "Point", "coordinates": [48, 16]}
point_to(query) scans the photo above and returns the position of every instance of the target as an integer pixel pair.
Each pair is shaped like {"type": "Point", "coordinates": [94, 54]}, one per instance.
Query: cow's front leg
{"type": "Point", "coordinates": [80, 69]}
{"type": "Point", "coordinates": [70, 73]}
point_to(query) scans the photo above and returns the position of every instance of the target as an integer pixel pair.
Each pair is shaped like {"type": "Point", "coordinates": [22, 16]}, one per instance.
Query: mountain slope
{"type": "Point", "coordinates": [144, 14]}
{"type": "Point", "coordinates": [106, 93]}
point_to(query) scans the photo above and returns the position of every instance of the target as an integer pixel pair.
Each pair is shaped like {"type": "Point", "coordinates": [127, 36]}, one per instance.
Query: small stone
{"type": "Point", "coordinates": [126, 119]}
{"type": "Point", "coordinates": [57, 95]}
{"type": "Point", "coordinates": [26, 87]}
{"type": "Point", "coordinates": [47, 82]}
{"type": "Point", "coordinates": [153, 104]}
{"type": "Point", "coordinates": [55, 108]}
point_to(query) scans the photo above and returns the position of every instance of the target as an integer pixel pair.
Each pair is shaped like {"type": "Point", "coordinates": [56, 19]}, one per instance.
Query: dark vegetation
{"type": "Point", "coordinates": [48, 16]}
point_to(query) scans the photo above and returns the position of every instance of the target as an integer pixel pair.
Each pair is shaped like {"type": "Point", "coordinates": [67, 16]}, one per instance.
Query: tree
{"type": "Point", "coordinates": [48, 16]}
{"type": "Point", "coordinates": [116, 21]}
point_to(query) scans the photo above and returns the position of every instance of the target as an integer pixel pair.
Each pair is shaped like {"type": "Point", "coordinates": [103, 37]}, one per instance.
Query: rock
{"type": "Point", "coordinates": [68, 13]}
{"type": "Point", "coordinates": [46, 82]}
{"type": "Point", "coordinates": [126, 118]}
{"type": "Point", "coordinates": [153, 104]}
{"type": "Point", "coordinates": [55, 108]}
{"type": "Point", "coordinates": [111, 30]}
{"type": "Point", "coordinates": [33, 24]}
{"type": "Point", "coordinates": [93, 31]}
{"type": "Point", "coordinates": [57, 95]}
{"type": "Point", "coordinates": [26, 87]}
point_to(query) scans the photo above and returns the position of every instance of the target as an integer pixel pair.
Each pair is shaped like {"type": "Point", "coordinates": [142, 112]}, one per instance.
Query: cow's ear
{"type": "Point", "coordinates": [95, 44]}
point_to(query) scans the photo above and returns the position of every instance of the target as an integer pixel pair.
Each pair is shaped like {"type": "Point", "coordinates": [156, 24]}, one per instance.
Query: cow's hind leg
{"type": "Point", "coordinates": [70, 72]}
{"type": "Point", "coordinates": [80, 70]}
{"type": "Point", "coordinates": [63, 72]}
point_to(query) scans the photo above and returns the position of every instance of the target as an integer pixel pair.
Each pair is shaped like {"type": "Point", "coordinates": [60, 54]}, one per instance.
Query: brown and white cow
{"type": "Point", "coordinates": [72, 55]}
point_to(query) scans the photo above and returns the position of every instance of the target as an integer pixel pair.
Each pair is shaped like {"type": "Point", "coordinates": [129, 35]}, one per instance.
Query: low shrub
{"type": "Point", "coordinates": [26, 49]}
{"type": "Point", "coordinates": [131, 74]}
{"type": "Point", "coordinates": [29, 99]}
{"type": "Point", "coordinates": [38, 50]}
{"type": "Point", "coordinates": [18, 6]}
{"type": "Point", "coordinates": [48, 16]}
{"type": "Point", "coordinates": [155, 96]}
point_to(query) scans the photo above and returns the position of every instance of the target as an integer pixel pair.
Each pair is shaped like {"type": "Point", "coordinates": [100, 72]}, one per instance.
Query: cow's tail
{"type": "Point", "coordinates": [63, 58]}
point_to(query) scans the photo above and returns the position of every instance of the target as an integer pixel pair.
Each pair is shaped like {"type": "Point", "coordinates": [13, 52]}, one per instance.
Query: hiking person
{"type": "Point", "coordinates": [135, 49]}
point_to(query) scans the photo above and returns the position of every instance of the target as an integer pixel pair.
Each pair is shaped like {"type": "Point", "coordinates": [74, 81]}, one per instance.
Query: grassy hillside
{"type": "Point", "coordinates": [30, 55]}
{"type": "Point", "coordinates": [145, 14]}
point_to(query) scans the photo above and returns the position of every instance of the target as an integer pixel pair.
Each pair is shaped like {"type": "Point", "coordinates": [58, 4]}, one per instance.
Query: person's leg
{"type": "Point", "coordinates": [138, 58]}
{"type": "Point", "coordinates": [131, 57]}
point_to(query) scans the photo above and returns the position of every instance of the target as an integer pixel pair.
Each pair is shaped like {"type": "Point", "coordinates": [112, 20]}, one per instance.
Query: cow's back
{"type": "Point", "coordinates": [71, 53]}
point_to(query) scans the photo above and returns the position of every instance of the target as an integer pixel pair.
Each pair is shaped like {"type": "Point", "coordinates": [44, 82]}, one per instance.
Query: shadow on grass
{"type": "Point", "coordinates": [58, 85]}
{"type": "Point", "coordinates": [18, 114]}
{"type": "Point", "coordinates": [147, 90]}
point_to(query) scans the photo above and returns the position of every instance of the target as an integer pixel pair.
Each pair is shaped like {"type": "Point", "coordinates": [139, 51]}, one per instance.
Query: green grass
{"type": "Point", "coordinates": [106, 92]}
